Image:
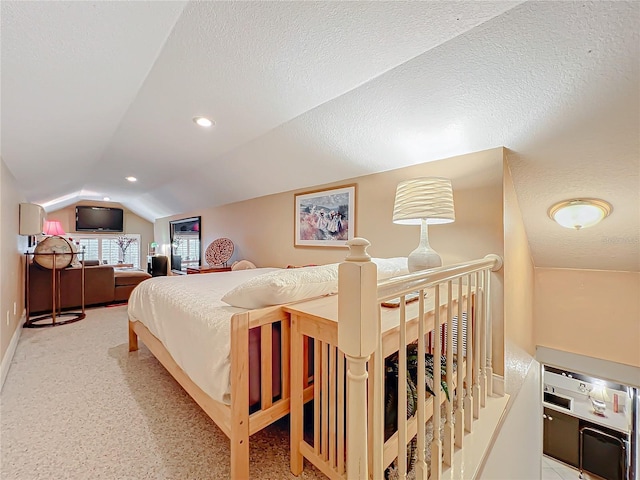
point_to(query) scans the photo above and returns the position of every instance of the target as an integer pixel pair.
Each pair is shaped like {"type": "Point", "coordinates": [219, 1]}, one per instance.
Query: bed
{"type": "Point", "coordinates": [283, 324]}
{"type": "Point", "coordinates": [220, 335]}
{"type": "Point", "coordinates": [203, 343]}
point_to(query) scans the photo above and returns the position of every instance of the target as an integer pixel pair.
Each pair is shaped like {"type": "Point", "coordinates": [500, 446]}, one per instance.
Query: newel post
{"type": "Point", "coordinates": [358, 335]}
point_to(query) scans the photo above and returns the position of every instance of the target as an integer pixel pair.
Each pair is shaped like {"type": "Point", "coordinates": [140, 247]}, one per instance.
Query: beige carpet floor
{"type": "Point", "coordinates": [77, 405]}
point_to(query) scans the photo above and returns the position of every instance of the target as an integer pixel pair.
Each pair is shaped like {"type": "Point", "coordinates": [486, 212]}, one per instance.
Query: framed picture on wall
{"type": "Point", "coordinates": [325, 218]}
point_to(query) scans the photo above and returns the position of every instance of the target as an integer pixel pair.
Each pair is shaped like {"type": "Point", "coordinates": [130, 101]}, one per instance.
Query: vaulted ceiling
{"type": "Point", "coordinates": [305, 93]}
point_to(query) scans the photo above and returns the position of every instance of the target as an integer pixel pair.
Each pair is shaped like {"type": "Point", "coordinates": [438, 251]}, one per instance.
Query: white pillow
{"type": "Point", "coordinates": [391, 267]}
{"type": "Point", "coordinates": [284, 286]}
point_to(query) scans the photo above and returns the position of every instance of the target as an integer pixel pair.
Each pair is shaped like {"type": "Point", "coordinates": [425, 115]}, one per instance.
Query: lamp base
{"type": "Point", "coordinates": [599, 407]}
{"type": "Point", "coordinates": [423, 257]}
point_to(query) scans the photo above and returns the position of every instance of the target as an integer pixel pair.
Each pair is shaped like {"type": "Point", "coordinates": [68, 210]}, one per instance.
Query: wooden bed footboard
{"type": "Point", "coordinates": [218, 411]}
{"type": "Point", "coordinates": [235, 420]}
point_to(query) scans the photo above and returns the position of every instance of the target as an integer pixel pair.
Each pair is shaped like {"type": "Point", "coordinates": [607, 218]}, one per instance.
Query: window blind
{"type": "Point", "coordinates": [105, 249]}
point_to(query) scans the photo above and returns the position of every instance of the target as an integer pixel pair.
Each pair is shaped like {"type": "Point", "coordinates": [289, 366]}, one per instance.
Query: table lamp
{"type": "Point", "coordinates": [53, 227]}
{"type": "Point", "coordinates": [424, 201]}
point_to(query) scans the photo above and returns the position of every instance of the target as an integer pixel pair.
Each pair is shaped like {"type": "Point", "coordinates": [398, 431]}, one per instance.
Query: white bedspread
{"type": "Point", "coordinates": [186, 314]}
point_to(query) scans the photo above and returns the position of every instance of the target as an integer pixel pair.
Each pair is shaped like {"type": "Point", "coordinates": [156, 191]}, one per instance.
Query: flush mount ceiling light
{"type": "Point", "coordinates": [203, 121]}
{"type": "Point", "coordinates": [580, 213]}
{"type": "Point", "coordinates": [131, 179]}
{"type": "Point", "coordinates": [106, 199]}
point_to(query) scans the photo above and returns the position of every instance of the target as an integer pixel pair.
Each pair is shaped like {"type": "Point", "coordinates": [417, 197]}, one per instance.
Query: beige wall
{"type": "Point", "coordinates": [518, 447]}
{"type": "Point", "coordinates": [12, 246]}
{"type": "Point", "coordinates": [262, 228]}
{"type": "Point", "coordinates": [132, 223]}
{"type": "Point", "coordinates": [518, 273]}
{"type": "Point", "coordinates": [593, 313]}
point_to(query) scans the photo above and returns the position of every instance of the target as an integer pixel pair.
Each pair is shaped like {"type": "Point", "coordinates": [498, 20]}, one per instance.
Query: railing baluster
{"type": "Point", "coordinates": [421, 465]}
{"type": "Point", "coordinates": [468, 399]}
{"type": "Point", "coordinates": [378, 407]}
{"type": "Point", "coordinates": [436, 444]}
{"type": "Point", "coordinates": [359, 338]}
{"type": "Point", "coordinates": [476, 352]}
{"type": "Point", "coordinates": [483, 338]}
{"type": "Point", "coordinates": [489, 328]}
{"type": "Point", "coordinates": [402, 393]}
{"type": "Point", "coordinates": [460, 372]}
{"type": "Point", "coordinates": [448, 426]}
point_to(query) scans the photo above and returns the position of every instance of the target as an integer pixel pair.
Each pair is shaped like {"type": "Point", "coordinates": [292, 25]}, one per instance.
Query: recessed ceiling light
{"type": "Point", "coordinates": [580, 213]}
{"type": "Point", "coordinates": [106, 199]}
{"type": "Point", "coordinates": [203, 121]}
{"type": "Point", "coordinates": [131, 179]}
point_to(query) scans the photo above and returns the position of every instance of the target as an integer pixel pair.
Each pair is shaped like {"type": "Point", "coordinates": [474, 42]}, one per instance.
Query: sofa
{"type": "Point", "coordinates": [125, 281]}
{"type": "Point", "coordinates": [103, 285]}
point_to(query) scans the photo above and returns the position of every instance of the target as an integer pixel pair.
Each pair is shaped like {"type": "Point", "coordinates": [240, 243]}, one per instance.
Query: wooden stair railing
{"type": "Point", "coordinates": [451, 292]}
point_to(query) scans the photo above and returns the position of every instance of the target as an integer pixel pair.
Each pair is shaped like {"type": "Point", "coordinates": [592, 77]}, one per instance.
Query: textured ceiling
{"type": "Point", "coordinates": [307, 92]}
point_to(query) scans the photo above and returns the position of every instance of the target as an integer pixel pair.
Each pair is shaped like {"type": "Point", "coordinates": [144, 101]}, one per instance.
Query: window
{"type": "Point", "coordinates": [110, 251]}
{"type": "Point", "coordinates": [455, 334]}
{"type": "Point", "coordinates": [105, 249]}
{"type": "Point", "coordinates": [91, 248]}
{"type": "Point", "coordinates": [187, 246]}
{"type": "Point", "coordinates": [185, 242]}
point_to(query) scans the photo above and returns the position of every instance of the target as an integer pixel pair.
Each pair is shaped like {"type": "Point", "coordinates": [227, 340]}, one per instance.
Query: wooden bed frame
{"type": "Point", "coordinates": [235, 420]}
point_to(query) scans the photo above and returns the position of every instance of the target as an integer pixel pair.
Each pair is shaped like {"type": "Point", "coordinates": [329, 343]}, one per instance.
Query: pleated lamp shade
{"type": "Point", "coordinates": [53, 227]}
{"type": "Point", "coordinates": [424, 201]}
{"type": "Point", "coordinates": [429, 198]}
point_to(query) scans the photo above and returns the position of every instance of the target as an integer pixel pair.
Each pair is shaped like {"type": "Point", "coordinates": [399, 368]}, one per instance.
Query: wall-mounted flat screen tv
{"type": "Point", "coordinates": [99, 219]}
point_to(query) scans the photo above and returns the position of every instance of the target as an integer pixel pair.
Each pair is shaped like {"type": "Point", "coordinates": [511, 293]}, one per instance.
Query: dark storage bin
{"type": "Point", "coordinates": [603, 452]}
{"type": "Point", "coordinates": [158, 266]}
{"type": "Point", "coordinates": [176, 262]}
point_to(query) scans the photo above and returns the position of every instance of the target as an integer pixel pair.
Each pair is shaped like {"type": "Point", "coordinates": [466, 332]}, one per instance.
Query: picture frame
{"type": "Point", "coordinates": [325, 218]}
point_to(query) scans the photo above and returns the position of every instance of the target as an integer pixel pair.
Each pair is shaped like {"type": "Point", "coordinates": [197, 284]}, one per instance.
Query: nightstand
{"type": "Point", "coordinates": [207, 269]}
